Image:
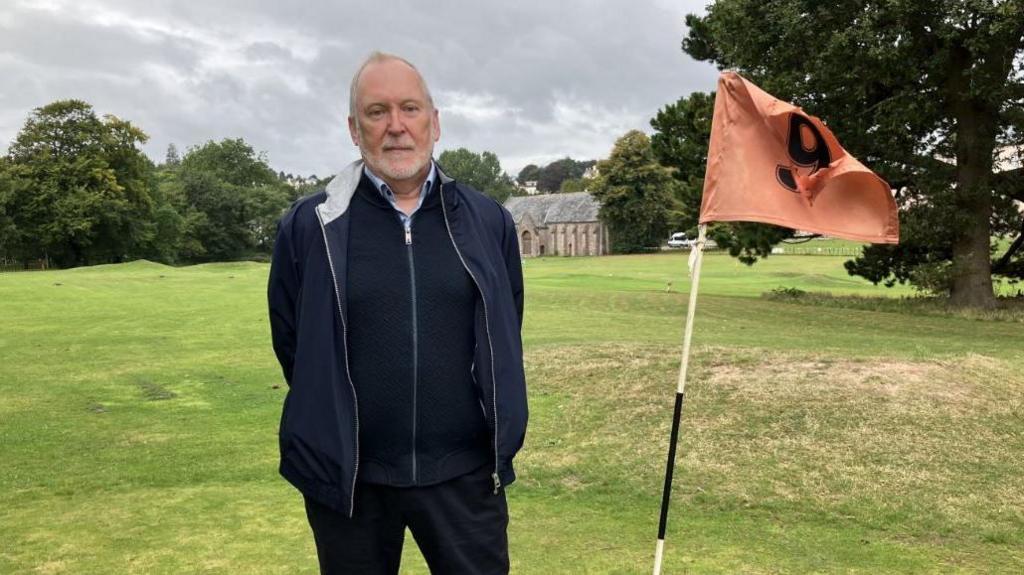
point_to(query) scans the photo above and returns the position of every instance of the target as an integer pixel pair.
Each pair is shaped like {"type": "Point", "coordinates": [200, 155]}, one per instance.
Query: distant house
{"type": "Point", "coordinates": [559, 224]}
{"type": "Point", "coordinates": [529, 187]}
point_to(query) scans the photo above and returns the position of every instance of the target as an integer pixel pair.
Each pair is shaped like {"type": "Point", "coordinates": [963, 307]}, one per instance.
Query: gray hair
{"type": "Point", "coordinates": [374, 58]}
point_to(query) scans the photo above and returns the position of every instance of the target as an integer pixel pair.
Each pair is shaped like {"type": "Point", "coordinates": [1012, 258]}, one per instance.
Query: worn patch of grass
{"type": "Point", "coordinates": [154, 391]}
{"type": "Point", "coordinates": [921, 455]}
{"type": "Point", "coordinates": [140, 406]}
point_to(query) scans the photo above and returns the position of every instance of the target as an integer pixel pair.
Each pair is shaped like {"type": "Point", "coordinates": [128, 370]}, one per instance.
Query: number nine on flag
{"type": "Point", "coordinates": [770, 162]}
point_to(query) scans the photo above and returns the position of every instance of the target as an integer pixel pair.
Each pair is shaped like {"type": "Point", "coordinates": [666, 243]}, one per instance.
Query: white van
{"type": "Point", "coordinates": [678, 240]}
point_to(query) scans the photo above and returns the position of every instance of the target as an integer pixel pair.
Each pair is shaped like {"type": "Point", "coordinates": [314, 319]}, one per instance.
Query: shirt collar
{"type": "Point", "coordinates": [389, 195]}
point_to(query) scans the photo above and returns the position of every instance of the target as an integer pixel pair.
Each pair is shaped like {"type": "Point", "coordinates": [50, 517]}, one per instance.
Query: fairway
{"type": "Point", "coordinates": [140, 406]}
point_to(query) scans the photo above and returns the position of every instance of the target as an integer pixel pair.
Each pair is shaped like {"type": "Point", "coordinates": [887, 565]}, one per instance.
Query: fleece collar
{"type": "Point", "coordinates": [343, 187]}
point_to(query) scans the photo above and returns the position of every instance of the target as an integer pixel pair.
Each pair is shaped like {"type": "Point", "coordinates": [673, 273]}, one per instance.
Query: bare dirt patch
{"type": "Point", "coordinates": [963, 386]}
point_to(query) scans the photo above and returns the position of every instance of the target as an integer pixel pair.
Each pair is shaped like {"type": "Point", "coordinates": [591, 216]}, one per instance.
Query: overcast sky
{"type": "Point", "coordinates": [531, 80]}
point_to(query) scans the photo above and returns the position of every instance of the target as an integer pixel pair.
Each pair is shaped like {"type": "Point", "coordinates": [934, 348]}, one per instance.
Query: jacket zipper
{"type": "Point", "coordinates": [348, 374]}
{"type": "Point", "coordinates": [490, 345]}
{"type": "Point", "coordinates": [415, 341]}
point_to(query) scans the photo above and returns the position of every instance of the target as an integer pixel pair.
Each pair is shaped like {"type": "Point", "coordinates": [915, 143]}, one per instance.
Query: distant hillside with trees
{"type": "Point", "coordinates": [549, 178]}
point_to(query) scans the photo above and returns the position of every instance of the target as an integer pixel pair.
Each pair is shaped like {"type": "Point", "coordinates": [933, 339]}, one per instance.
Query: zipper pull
{"type": "Point", "coordinates": [497, 482]}
{"type": "Point", "coordinates": [408, 235]}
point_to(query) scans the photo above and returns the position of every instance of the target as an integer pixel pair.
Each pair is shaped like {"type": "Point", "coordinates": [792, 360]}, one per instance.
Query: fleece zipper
{"type": "Point", "coordinates": [415, 341]}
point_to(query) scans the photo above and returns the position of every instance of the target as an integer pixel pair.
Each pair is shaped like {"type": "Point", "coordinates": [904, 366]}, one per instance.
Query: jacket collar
{"type": "Point", "coordinates": [343, 187]}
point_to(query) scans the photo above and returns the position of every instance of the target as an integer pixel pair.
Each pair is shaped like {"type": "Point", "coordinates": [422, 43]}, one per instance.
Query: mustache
{"type": "Point", "coordinates": [398, 144]}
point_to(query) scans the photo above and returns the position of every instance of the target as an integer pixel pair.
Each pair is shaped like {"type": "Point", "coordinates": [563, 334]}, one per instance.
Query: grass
{"type": "Point", "coordinates": [1007, 309]}
{"type": "Point", "coordinates": [839, 433]}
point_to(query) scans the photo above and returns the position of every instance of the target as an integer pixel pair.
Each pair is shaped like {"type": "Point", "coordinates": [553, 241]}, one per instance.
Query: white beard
{"type": "Point", "coordinates": [399, 168]}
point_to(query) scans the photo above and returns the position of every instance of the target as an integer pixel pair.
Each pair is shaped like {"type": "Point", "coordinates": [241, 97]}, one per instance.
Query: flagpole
{"type": "Point", "coordinates": [698, 258]}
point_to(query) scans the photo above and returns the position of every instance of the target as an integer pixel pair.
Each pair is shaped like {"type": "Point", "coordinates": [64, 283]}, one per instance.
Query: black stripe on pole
{"type": "Point", "coordinates": [670, 466]}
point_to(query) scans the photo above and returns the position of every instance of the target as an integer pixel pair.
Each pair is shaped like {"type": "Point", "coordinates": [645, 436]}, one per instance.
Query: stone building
{"type": "Point", "coordinates": [559, 224]}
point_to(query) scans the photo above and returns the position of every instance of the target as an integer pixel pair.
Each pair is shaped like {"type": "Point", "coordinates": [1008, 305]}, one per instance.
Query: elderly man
{"type": "Point", "coordinates": [396, 302]}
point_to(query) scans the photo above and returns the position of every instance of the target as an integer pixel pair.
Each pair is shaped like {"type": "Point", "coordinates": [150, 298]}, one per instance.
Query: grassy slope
{"type": "Point", "coordinates": [139, 413]}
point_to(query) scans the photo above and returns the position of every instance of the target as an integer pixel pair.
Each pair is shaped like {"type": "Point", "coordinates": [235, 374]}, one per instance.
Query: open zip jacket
{"type": "Point", "coordinates": [319, 432]}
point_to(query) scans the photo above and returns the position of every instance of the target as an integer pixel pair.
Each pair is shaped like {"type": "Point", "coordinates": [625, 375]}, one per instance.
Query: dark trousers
{"type": "Point", "coordinates": [459, 525]}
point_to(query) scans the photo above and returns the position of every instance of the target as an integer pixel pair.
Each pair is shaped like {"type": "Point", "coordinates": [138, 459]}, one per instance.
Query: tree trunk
{"type": "Point", "coordinates": [971, 281]}
{"type": "Point", "coordinates": [972, 274]}
{"type": "Point", "coordinates": [976, 128]}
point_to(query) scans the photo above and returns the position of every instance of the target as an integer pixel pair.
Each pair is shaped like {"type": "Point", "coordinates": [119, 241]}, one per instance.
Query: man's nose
{"type": "Point", "coordinates": [395, 124]}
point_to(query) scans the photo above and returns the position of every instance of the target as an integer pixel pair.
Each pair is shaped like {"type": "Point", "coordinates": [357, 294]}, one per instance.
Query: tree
{"type": "Point", "coordinates": [925, 92]}
{"type": "Point", "coordinates": [551, 176]}
{"type": "Point", "coordinates": [636, 194]}
{"type": "Point", "coordinates": [81, 186]}
{"type": "Point", "coordinates": [681, 138]}
{"type": "Point", "coordinates": [232, 200]}
{"type": "Point", "coordinates": [482, 171]}
{"type": "Point", "coordinates": [10, 238]}
{"type": "Point", "coordinates": [171, 158]}
{"type": "Point", "coordinates": [575, 185]}
{"type": "Point", "coordinates": [169, 232]}
{"type": "Point", "coordinates": [127, 231]}
{"type": "Point", "coordinates": [529, 173]}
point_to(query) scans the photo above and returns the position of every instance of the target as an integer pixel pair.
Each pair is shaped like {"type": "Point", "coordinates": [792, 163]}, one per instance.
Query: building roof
{"type": "Point", "coordinates": [547, 209]}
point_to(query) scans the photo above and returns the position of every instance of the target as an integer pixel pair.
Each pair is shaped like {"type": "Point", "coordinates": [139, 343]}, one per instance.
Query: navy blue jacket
{"type": "Point", "coordinates": [319, 431]}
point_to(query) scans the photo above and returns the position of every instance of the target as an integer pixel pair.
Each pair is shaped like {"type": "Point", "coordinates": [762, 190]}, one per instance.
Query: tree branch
{"type": "Point", "coordinates": [1010, 183]}
{"type": "Point", "coordinates": [1014, 248]}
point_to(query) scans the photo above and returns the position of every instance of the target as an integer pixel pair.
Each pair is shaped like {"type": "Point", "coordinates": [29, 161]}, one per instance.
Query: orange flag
{"type": "Point", "coordinates": [770, 162]}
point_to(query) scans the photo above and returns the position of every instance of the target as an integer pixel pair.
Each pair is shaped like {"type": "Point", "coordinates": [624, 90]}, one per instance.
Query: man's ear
{"type": "Point", "coordinates": [437, 126]}
{"type": "Point", "coordinates": [353, 130]}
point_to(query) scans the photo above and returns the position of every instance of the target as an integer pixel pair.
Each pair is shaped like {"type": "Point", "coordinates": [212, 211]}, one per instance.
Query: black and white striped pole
{"type": "Point", "coordinates": [696, 258]}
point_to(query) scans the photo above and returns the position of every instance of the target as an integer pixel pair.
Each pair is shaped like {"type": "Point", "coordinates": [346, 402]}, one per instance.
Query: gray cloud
{"type": "Point", "coordinates": [532, 81]}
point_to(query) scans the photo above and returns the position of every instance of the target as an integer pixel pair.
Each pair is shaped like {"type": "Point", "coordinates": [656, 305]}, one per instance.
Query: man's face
{"type": "Point", "coordinates": [395, 126]}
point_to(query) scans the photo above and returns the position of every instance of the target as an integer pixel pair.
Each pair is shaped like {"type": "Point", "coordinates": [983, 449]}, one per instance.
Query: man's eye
{"type": "Point", "coordinates": [376, 113]}
{"type": "Point", "coordinates": [410, 108]}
